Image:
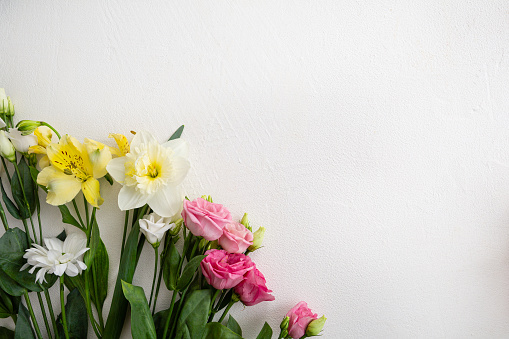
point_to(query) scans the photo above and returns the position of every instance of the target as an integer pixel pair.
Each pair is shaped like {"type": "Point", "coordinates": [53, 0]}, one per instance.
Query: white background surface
{"type": "Point", "coordinates": [371, 140]}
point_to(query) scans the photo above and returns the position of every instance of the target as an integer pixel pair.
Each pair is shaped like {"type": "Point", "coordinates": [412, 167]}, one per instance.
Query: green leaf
{"type": "Point", "coordinates": [177, 133]}
{"type": "Point", "coordinates": [100, 268]}
{"type": "Point", "coordinates": [28, 186]}
{"type": "Point", "coordinates": [34, 172]}
{"type": "Point", "coordinates": [67, 217]}
{"type": "Point", "coordinates": [265, 333]}
{"type": "Point", "coordinates": [188, 273]}
{"type": "Point", "coordinates": [161, 317]}
{"type": "Point", "coordinates": [76, 316]}
{"type": "Point", "coordinates": [126, 269]}
{"type": "Point", "coordinates": [108, 178]}
{"type": "Point", "coordinates": [23, 327]}
{"type": "Point", "coordinates": [170, 267]}
{"type": "Point", "coordinates": [142, 325]}
{"type": "Point", "coordinates": [6, 333]}
{"type": "Point", "coordinates": [234, 325]}
{"type": "Point", "coordinates": [13, 210]}
{"type": "Point", "coordinates": [216, 330]}
{"type": "Point", "coordinates": [95, 241]}
{"type": "Point", "coordinates": [193, 317]}
{"type": "Point", "coordinates": [77, 282]}
{"type": "Point", "coordinates": [9, 285]}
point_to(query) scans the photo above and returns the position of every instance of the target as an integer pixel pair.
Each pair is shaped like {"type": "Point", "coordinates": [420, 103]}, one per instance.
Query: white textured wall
{"type": "Point", "coordinates": [371, 139]}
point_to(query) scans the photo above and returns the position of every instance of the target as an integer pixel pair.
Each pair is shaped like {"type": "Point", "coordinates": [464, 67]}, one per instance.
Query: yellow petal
{"type": "Point", "coordinates": [44, 162]}
{"type": "Point", "coordinates": [99, 155]}
{"type": "Point", "coordinates": [70, 155]}
{"type": "Point", "coordinates": [37, 149]}
{"type": "Point", "coordinates": [122, 142]}
{"type": "Point", "coordinates": [44, 135]}
{"type": "Point", "coordinates": [62, 188]}
{"type": "Point", "coordinates": [91, 189]}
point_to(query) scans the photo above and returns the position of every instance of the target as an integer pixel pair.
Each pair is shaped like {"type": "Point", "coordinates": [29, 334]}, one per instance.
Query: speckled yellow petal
{"type": "Point", "coordinates": [122, 142]}
{"type": "Point", "coordinates": [37, 149]}
{"type": "Point", "coordinates": [62, 188]}
{"type": "Point", "coordinates": [91, 191]}
{"type": "Point", "coordinates": [44, 135]}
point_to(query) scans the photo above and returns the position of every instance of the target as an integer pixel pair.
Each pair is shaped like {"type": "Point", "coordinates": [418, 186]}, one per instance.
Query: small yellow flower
{"type": "Point", "coordinates": [44, 136]}
{"type": "Point", "coordinates": [74, 167]}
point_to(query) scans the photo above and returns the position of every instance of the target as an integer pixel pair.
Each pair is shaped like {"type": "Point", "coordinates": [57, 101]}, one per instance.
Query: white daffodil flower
{"type": "Point", "coordinates": [58, 257]}
{"type": "Point", "coordinates": [153, 226]}
{"type": "Point", "coordinates": [151, 173]}
{"type": "Point", "coordinates": [21, 142]}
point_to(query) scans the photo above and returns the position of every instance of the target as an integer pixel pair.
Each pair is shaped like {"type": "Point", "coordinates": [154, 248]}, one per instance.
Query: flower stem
{"type": "Point", "coordinates": [126, 223]}
{"type": "Point", "coordinates": [32, 315]}
{"type": "Point", "coordinates": [212, 310]}
{"type": "Point", "coordinates": [156, 252]}
{"type": "Point", "coordinates": [44, 316]}
{"type": "Point", "coordinates": [62, 303]}
{"type": "Point", "coordinates": [169, 314]}
{"type": "Point", "coordinates": [78, 212]}
{"type": "Point", "coordinates": [51, 313]}
{"type": "Point", "coordinates": [87, 217]}
{"type": "Point", "coordinates": [26, 200]}
{"type": "Point", "coordinates": [38, 208]}
{"type": "Point", "coordinates": [97, 307]}
{"type": "Point", "coordinates": [53, 129]}
{"type": "Point", "coordinates": [4, 219]}
{"type": "Point", "coordinates": [230, 304]}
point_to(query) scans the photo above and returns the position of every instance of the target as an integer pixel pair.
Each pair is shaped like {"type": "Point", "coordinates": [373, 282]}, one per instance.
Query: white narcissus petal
{"type": "Point", "coordinates": [179, 147]}
{"type": "Point", "coordinates": [166, 202]}
{"type": "Point", "coordinates": [130, 198]}
{"type": "Point", "coordinates": [116, 168]}
{"type": "Point", "coordinates": [180, 166]}
{"type": "Point", "coordinates": [140, 138]}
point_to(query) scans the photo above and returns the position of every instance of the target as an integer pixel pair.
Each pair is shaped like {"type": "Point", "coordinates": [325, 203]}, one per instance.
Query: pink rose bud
{"type": "Point", "coordinates": [205, 219]}
{"type": "Point", "coordinates": [253, 290]}
{"type": "Point", "coordinates": [300, 317]}
{"type": "Point", "coordinates": [225, 270]}
{"type": "Point", "coordinates": [236, 238]}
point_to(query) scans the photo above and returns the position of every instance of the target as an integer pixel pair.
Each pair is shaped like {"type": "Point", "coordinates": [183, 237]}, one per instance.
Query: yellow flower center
{"type": "Point", "coordinates": [152, 171]}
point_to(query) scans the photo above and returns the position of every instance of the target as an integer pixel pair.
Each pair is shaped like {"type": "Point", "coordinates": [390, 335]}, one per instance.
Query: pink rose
{"type": "Point", "coordinates": [253, 290]}
{"type": "Point", "coordinates": [300, 317]}
{"type": "Point", "coordinates": [205, 219]}
{"type": "Point", "coordinates": [225, 270]}
{"type": "Point", "coordinates": [236, 238]}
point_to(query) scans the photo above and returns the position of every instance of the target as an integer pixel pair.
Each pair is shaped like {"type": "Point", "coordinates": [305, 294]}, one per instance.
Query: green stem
{"type": "Point", "coordinates": [38, 208]}
{"type": "Point", "coordinates": [87, 217]}
{"type": "Point", "coordinates": [32, 315]}
{"type": "Point", "coordinates": [62, 304]}
{"type": "Point", "coordinates": [178, 311]}
{"type": "Point", "coordinates": [212, 310]}
{"type": "Point", "coordinates": [51, 313]}
{"type": "Point", "coordinates": [167, 240]}
{"type": "Point", "coordinates": [4, 219]}
{"type": "Point", "coordinates": [5, 167]}
{"type": "Point", "coordinates": [230, 304]}
{"type": "Point", "coordinates": [78, 213]}
{"type": "Point", "coordinates": [126, 223]}
{"type": "Point", "coordinates": [48, 125]}
{"type": "Point", "coordinates": [43, 311]}
{"type": "Point", "coordinates": [156, 252]}
{"type": "Point", "coordinates": [26, 200]}
{"type": "Point", "coordinates": [169, 314]}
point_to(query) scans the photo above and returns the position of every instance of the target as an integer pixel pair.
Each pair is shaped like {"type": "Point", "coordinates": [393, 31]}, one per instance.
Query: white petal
{"type": "Point", "coordinates": [54, 244]}
{"type": "Point", "coordinates": [142, 137]}
{"type": "Point", "coordinates": [72, 270]}
{"type": "Point", "coordinates": [74, 243]}
{"type": "Point", "coordinates": [116, 169]}
{"type": "Point", "coordinates": [166, 202]}
{"type": "Point", "coordinates": [180, 167]}
{"type": "Point", "coordinates": [2, 123]}
{"type": "Point", "coordinates": [81, 265]}
{"type": "Point", "coordinates": [129, 198]}
{"type": "Point", "coordinates": [60, 269]}
{"type": "Point", "coordinates": [41, 276]}
{"type": "Point", "coordinates": [179, 146]}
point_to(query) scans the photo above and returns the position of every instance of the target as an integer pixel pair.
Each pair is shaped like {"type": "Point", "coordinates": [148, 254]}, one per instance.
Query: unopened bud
{"type": "Point", "coordinates": [176, 229]}
{"type": "Point", "coordinates": [245, 221]}
{"type": "Point", "coordinates": [257, 239]}
{"type": "Point", "coordinates": [284, 323]}
{"type": "Point", "coordinates": [28, 126]}
{"type": "Point", "coordinates": [6, 106]}
{"type": "Point", "coordinates": [204, 242]}
{"type": "Point", "coordinates": [235, 297]}
{"type": "Point", "coordinates": [7, 150]}
{"type": "Point", "coordinates": [315, 327]}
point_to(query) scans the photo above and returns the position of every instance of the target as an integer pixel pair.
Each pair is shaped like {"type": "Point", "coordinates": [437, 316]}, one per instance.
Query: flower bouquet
{"type": "Point", "coordinates": [201, 254]}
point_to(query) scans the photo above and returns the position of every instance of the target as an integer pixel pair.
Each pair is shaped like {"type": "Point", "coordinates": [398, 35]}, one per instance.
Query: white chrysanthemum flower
{"type": "Point", "coordinates": [153, 226]}
{"type": "Point", "coordinates": [58, 257]}
{"type": "Point", "coordinates": [151, 173]}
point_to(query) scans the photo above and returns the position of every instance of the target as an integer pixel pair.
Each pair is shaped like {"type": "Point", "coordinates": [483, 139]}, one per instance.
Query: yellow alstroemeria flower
{"type": "Point", "coordinates": [44, 136]}
{"type": "Point", "coordinates": [123, 144]}
{"type": "Point", "coordinates": [74, 167]}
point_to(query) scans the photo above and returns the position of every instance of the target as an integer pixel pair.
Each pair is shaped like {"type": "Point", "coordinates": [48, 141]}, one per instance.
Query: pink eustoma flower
{"type": "Point", "coordinates": [300, 317]}
{"type": "Point", "coordinates": [252, 290]}
{"type": "Point", "coordinates": [225, 270]}
{"type": "Point", "coordinates": [236, 238]}
{"type": "Point", "coordinates": [205, 219]}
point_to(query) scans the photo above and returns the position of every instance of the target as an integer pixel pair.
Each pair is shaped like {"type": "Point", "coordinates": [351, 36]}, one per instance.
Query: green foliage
{"type": "Point", "coordinates": [193, 317]}
{"type": "Point", "coordinates": [13, 210]}
{"type": "Point", "coordinates": [28, 186]}
{"type": "Point", "coordinates": [5, 333]}
{"type": "Point", "coordinates": [142, 324]}
{"type": "Point", "coordinates": [23, 327]}
{"type": "Point", "coordinates": [265, 333]}
{"type": "Point", "coordinates": [76, 316]}
{"type": "Point", "coordinates": [188, 272]}
{"type": "Point", "coordinates": [234, 325]}
{"type": "Point", "coordinates": [216, 330]}
{"type": "Point", "coordinates": [177, 133]}
{"type": "Point", "coordinates": [67, 217]}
